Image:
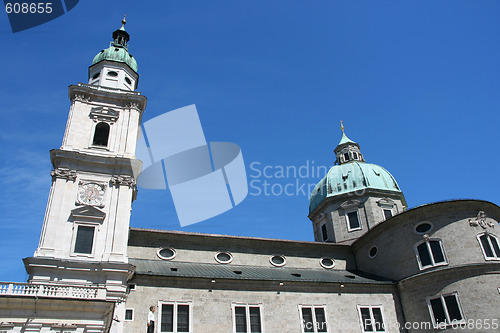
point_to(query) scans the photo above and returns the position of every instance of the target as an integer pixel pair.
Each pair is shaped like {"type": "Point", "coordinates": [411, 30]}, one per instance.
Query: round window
{"type": "Point", "coordinates": [128, 80]}
{"type": "Point", "coordinates": [224, 257]}
{"type": "Point", "coordinates": [423, 227]}
{"type": "Point", "coordinates": [96, 75]}
{"type": "Point", "coordinates": [278, 260]}
{"type": "Point", "coordinates": [373, 252]}
{"type": "Point", "coordinates": [327, 262]}
{"type": "Point", "coordinates": [112, 73]}
{"type": "Point", "coordinates": [166, 253]}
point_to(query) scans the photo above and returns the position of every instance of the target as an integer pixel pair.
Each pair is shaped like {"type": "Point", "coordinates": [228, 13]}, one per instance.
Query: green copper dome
{"type": "Point", "coordinates": [351, 175]}
{"type": "Point", "coordinates": [118, 54]}
{"type": "Point", "coordinates": [118, 49]}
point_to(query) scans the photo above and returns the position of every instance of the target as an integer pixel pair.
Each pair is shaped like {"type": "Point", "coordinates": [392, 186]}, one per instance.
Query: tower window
{"type": "Point", "coordinates": [128, 80]}
{"type": "Point", "coordinates": [430, 253]}
{"type": "Point", "coordinates": [84, 239]}
{"type": "Point", "coordinates": [96, 75]}
{"type": "Point", "coordinates": [489, 244]}
{"type": "Point", "coordinates": [355, 155]}
{"type": "Point", "coordinates": [346, 156]}
{"type": "Point", "coordinates": [387, 213]}
{"type": "Point", "coordinates": [353, 221]}
{"type": "Point", "coordinates": [101, 135]}
{"type": "Point", "coordinates": [112, 74]}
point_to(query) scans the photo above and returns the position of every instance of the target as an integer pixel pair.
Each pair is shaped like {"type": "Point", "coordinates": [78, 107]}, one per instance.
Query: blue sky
{"type": "Point", "coordinates": [415, 82]}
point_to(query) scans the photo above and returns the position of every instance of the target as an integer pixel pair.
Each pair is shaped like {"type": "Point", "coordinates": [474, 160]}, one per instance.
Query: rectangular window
{"type": "Point", "coordinates": [387, 213]}
{"type": "Point", "coordinates": [324, 232]}
{"type": "Point", "coordinates": [247, 318]}
{"type": "Point", "coordinates": [430, 253]}
{"type": "Point", "coordinates": [353, 221]}
{"type": "Point", "coordinates": [84, 239]}
{"type": "Point", "coordinates": [489, 244]}
{"type": "Point", "coordinates": [371, 318]}
{"type": "Point", "coordinates": [313, 318]}
{"type": "Point", "coordinates": [445, 310]}
{"type": "Point", "coordinates": [129, 314]}
{"type": "Point", "coordinates": [346, 157]}
{"type": "Point", "coordinates": [175, 317]}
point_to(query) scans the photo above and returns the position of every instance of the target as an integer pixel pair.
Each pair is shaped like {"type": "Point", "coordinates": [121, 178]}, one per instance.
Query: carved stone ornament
{"type": "Point", "coordinates": [81, 98]}
{"type": "Point", "coordinates": [123, 180]}
{"type": "Point", "coordinates": [350, 204]}
{"type": "Point", "coordinates": [63, 174]}
{"type": "Point", "coordinates": [132, 105]}
{"type": "Point", "coordinates": [105, 114]}
{"type": "Point", "coordinates": [480, 220]}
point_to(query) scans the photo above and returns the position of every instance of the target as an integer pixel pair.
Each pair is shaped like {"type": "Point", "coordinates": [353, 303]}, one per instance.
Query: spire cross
{"type": "Point", "coordinates": [342, 126]}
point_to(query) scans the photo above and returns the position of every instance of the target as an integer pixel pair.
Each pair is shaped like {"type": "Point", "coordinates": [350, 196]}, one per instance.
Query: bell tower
{"type": "Point", "coordinates": [85, 229]}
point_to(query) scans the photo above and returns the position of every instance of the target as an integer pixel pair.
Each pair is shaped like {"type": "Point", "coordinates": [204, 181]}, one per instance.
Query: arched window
{"type": "Point", "coordinates": [101, 135]}
{"type": "Point", "coordinates": [430, 253]}
{"type": "Point", "coordinates": [490, 246]}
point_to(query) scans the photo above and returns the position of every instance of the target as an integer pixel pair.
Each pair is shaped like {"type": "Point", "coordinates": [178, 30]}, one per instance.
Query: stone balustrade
{"type": "Point", "coordinates": [51, 291]}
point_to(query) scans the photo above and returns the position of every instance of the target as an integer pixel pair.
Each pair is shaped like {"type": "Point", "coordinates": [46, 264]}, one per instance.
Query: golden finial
{"type": "Point", "coordinates": [124, 21]}
{"type": "Point", "coordinates": [342, 126]}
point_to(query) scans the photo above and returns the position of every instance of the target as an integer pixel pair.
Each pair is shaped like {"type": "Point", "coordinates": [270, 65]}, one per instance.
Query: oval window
{"type": "Point", "coordinates": [373, 252]}
{"type": "Point", "coordinates": [224, 257]}
{"type": "Point", "coordinates": [278, 260]}
{"type": "Point", "coordinates": [128, 80]}
{"type": "Point", "coordinates": [423, 228]}
{"type": "Point", "coordinates": [327, 262]}
{"type": "Point", "coordinates": [166, 253]}
{"type": "Point", "coordinates": [96, 75]}
{"type": "Point", "coordinates": [112, 74]}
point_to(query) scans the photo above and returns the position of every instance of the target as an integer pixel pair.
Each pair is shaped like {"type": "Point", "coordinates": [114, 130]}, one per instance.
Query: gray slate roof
{"type": "Point", "coordinates": [236, 272]}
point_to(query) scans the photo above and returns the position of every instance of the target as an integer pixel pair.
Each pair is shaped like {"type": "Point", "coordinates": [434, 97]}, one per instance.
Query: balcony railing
{"type": "Point", "coordinates": [114, 90]}
{"type": "Point", "coordinates": [51, 291]}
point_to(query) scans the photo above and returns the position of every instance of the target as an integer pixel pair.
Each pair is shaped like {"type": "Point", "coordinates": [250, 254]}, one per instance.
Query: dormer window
{"type": "Point", "coordinates": [101, 135]}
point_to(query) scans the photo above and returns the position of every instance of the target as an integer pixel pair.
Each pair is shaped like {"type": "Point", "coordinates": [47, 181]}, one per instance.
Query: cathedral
{"type": "Point", "coordinates": [374, 264]}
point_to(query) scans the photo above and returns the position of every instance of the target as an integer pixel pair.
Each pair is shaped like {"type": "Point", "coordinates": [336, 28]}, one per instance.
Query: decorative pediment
{"type": "Point", "coordinates": [386, 202]}
{"type": "Point", "coordinates": [480, 220]}
{"type": "Point", "coordinates": [350, 204]}
{"type": "Point", "coordinates": [104, 114]}
{"type": "Point", "coordinates": [88, 214]}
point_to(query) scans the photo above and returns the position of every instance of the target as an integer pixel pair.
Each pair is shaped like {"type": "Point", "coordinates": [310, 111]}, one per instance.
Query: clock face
{"type": "Point", "coordinates": [91, 194]}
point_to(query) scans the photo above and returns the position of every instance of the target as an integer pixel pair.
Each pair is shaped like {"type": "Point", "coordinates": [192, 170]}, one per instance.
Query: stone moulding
{"type": "Point", "coordinates": [69, 175]}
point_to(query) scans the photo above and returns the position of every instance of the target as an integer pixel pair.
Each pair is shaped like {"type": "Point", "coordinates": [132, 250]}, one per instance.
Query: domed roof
{"type": "Point", "coordinates": [119, 54]}
{"type": "Point", "coordinates": [118, 49]}
{"type": "Point", "coordinates": [352, 177]}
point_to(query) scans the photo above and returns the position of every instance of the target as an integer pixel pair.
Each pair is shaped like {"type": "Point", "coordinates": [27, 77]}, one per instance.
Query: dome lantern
{"type": "Point", "coordinates": [115, 67]}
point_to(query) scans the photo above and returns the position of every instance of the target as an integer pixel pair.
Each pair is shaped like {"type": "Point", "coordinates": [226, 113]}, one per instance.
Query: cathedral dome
{"type": "Point", "coordinates": [351, 175]}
